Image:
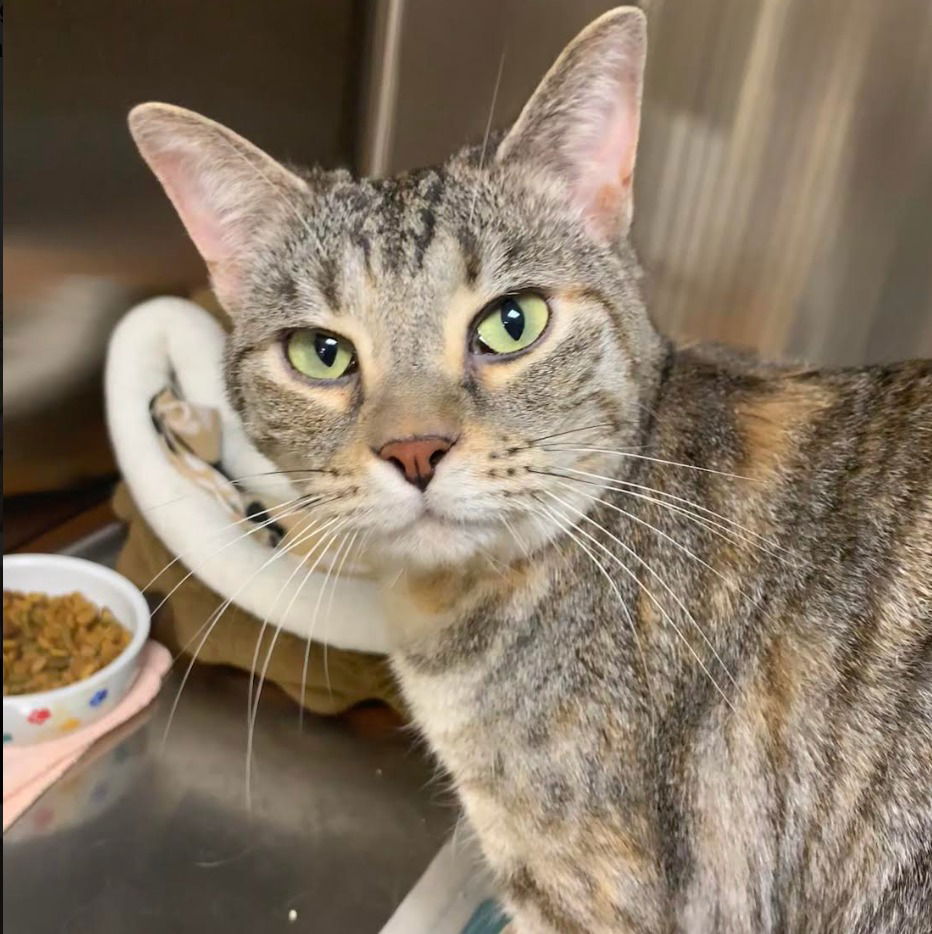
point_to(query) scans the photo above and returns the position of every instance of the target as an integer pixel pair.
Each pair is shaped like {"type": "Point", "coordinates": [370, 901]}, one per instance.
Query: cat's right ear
{"type": "Point", "coordinates": [228, 193]}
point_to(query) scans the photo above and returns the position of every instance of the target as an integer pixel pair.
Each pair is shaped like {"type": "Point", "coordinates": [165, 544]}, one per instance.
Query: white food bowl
{"type": "Point", "coordinates": [33, 718]}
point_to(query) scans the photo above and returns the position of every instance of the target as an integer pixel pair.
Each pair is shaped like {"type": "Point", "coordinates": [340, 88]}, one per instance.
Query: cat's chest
{"type": "Point", "coordinates": [453, 710]}
{"type": "Point", "coordinates": [534, 789]}
{"type": "Point", "coordinates": [507, 741]}
{"type": "Point", "coordinates": [498, 678]}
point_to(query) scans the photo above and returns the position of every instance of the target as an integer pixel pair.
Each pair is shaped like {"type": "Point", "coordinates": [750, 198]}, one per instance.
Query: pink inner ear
{"type": "Point", "coordinates": [186, 185]}
{"type": "Point", "coordinates": [604, 158]}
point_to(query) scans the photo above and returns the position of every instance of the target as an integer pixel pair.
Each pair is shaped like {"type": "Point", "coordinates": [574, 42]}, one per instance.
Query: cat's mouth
{"type": "Point", "coordinates": [435, 538]}
{"type": "Point", "coordinates": [430, 515]}
{"type": "Point", "coordinates": [432, 536]}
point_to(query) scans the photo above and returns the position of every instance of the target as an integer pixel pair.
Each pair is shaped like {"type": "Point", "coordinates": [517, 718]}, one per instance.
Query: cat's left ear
{"type": "Point", "coordinates": [581, 125]}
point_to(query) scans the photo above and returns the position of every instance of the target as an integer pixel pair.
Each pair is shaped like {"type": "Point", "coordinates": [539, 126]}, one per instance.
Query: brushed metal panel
{"type": "Point", "coordinates": [784, 185]}
{"type": "Point", "coordinates": [87, 228]}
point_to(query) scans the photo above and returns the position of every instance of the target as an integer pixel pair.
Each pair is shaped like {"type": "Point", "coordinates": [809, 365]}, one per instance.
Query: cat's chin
{"type": "Point", "coordinates": [434, 541]}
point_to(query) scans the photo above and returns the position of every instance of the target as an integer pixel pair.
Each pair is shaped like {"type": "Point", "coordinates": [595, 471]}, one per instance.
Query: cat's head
{"type": "Point", "coordinates": [430, 354]}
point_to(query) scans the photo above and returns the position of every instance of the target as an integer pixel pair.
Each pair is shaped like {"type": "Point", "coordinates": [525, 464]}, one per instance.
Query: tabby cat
{"type": "Point", "coordinates": [664, 614]}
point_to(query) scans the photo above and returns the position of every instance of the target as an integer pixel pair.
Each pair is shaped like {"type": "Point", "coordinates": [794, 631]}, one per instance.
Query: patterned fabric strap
{"type": "Point", "coordinates": [190, 435]}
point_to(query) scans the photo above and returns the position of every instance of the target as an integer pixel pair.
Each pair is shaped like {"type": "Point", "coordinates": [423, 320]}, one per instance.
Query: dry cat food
{"type": "Point", "coordinates": [49, 642]}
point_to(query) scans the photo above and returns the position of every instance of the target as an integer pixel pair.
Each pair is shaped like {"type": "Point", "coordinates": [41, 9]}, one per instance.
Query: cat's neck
{"type": "Point", "coordinates": [426, 608]}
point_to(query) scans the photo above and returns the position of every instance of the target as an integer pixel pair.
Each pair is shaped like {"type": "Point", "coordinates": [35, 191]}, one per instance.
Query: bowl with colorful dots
{"type": "Point", "coordinates": [73, 633]}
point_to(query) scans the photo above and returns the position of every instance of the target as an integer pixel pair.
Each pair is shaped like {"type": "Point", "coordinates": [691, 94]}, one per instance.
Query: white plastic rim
{"type": "Point", "coordinates": [57, 575]}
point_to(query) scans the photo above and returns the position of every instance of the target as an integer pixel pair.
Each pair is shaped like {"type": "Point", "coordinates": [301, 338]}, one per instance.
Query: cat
{"type": "Point", "coordinates": [664, 614]}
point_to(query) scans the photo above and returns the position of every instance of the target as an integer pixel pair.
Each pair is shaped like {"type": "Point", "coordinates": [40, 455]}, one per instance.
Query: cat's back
{"type": "Point", "coordinates": [836, 693]}
{"type": "Point", "coordinates": [858, 438]}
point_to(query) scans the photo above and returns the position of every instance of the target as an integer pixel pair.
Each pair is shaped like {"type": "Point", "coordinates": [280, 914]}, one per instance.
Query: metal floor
{"type": "Point", "coordinates": [158, 839]}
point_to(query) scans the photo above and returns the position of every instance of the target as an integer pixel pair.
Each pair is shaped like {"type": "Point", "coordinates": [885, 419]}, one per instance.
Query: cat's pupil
{"type": "Point", "coordinates": [326, 348]}
{"type": "Point", "coordinates": [512, 318]}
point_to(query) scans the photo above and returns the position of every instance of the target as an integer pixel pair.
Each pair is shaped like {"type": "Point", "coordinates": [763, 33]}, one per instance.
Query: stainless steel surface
{"type": "Point", "coordinates": [154, 839]}
{"type": "Point", "coordinates": [87, 229]}
{"type": "Point", "coordinates": [102, 546]}
{"type": "Point", "coordinates": [784, 184]}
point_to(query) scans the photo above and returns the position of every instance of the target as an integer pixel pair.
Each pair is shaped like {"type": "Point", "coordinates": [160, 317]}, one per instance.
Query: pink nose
{"type": "Point", "coordinates": [416, 458]}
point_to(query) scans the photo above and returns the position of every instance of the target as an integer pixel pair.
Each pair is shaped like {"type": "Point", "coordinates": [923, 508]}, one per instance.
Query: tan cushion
{"type": "Point", "coordinates": [336, 679]}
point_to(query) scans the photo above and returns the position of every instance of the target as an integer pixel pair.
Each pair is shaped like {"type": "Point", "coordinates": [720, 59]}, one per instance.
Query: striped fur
{"type": "Point", "coordinates": [616, 790]}
{"type": "Point", "coordinates": [664, 614]}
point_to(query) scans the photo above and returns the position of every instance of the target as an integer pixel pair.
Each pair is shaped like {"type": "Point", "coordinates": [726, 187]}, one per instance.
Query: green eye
{"type": "Point", "coordinates": [512, 324]}
{"type": "Point", "coordinates": [320, 355]}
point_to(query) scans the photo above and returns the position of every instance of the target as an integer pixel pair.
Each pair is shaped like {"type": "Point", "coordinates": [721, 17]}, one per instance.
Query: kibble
{"type": "Point", "coordinates": [49, 642]}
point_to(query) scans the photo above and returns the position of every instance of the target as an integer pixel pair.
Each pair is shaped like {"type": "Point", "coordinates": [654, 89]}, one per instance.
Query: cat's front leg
{"type": "Point", "coordinates": [523, 922]}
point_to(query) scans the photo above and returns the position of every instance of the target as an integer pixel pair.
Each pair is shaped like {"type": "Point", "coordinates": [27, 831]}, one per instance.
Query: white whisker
{"type": "Point", "coordinates": [238, 481]}
{"type": "Point", "coordinates": [184, 556]}
{"type": "Point", "coordinates": [567, 529]}
{"type": "Point", "coordinates": [184, 648]}
{"type": "Point", "coordinates": [535, 442]}
{"type": "Point", "coordinates": [308, 639]}
{"type": "Point", "coordinates": [654, 574]}
{"type": "Point", "coordinates": [251, 726]}
{"type": "Point", "coordinates": [488, 128]}
{"type": "Point", "coordinates": [627, 487]}
{"type": "Point", "coordinates": [306, 534]}
{"type": "Point", "coordinates": [559, 446]}
{"type": "Point", "coordinates": [209, 624]}
{"type": "Point", "coordinates": [328, 612]}
{"type": "Point", "coordinates": [662, 610]}
{"type": "Point", "coordinates": [669, 538]}
{"type": "Point", "coordinates": [519, 541]}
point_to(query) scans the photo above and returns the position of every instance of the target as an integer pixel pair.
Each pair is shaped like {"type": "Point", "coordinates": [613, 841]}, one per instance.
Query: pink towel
{"type": "Point", "coordinates": [29, 770]}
